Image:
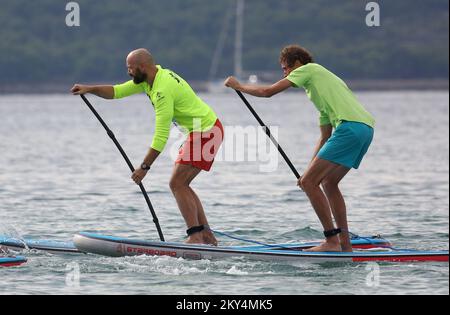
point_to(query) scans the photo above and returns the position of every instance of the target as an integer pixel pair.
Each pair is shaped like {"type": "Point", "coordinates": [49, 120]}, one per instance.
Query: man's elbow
{"type": "Point", "coordinates": [110, 94]}
{"type": "Point", "coordinates": [267, 93]}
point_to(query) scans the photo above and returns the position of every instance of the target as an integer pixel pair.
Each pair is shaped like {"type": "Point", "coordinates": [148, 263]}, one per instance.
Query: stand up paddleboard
{"type": "Point", "coordinates": [12, 261]}
{"type": "Point", "coordinates": [370, 249]}
{"type": "Point", "coordinates": [120, 247]}
{"type": "Point", "coordinates": [61, 247]}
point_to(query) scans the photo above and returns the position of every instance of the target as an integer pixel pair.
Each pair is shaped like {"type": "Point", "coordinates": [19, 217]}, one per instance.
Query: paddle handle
{"type": "Point", "coordinates": [130, 165]}
{"type": "Point", "coordinates": [269, 134]}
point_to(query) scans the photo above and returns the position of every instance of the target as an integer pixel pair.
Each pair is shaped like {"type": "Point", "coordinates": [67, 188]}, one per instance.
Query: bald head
{"type": "Point", "coordinates": [141, 65]}
{"type": "Point", "coordinates": [140, 58]}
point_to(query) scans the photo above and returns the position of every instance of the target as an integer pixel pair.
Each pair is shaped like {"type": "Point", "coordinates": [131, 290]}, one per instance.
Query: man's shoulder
{"type": "Point", "coordinates": [169, 76]}
{"type": "Point", "coordinates": [311, 67]}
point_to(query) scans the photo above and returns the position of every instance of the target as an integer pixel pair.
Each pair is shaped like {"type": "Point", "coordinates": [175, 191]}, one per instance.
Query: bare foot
{"type": "Point", "coordinates": [347, 249]}
{"type": "Point", "coordinates": [209, 238]}
{"type": "Point", "coordinates": [196, 238]}
{"type": "Point", "coordinates": [326, 247]}
{"type": "Point", "coordinates": [346, 243]}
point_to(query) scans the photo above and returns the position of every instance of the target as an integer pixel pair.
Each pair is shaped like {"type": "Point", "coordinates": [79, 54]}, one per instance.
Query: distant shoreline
{"type": "Point", "coordinates": [356, 85]}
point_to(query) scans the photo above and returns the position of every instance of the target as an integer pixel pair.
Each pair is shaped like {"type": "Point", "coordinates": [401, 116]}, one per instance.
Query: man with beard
{"type": "Point", "coordinates": [174, 101]}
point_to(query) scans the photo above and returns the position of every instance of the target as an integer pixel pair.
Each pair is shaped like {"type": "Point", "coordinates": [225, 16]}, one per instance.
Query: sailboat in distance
{"type": "Point", "coordinates": [215, 85]}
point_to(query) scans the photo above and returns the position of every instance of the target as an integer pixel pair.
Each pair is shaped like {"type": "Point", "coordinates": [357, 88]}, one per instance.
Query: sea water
{"type": "Point", "coordinates": [60, 174]}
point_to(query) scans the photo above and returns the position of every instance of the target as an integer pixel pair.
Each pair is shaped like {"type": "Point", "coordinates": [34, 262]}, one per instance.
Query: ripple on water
{"type": "Point", "coordinates": [79, 182]}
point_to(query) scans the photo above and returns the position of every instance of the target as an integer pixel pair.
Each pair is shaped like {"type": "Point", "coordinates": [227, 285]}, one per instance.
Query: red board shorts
{"type": "Point", "coordinates": [200, 148]}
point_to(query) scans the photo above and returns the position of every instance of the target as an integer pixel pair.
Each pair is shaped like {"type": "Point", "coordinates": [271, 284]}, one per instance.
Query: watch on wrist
{"type": "Point", "coordinates": [145, 167]}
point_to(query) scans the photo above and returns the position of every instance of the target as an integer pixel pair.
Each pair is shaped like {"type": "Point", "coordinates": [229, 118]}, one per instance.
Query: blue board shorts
{"type": "Point", "coordinates": [348, 145]}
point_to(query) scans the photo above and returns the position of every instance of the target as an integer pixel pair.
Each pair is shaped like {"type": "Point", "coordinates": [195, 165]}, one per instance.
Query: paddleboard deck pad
{"type": "Point", "coordinates": [121, 247]}
{"type": "Point", "coordinates": [12, 261]}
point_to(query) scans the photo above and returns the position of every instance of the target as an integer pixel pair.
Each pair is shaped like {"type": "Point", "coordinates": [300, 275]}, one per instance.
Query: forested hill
{"type": "Point", "coordinates": [38, 47]}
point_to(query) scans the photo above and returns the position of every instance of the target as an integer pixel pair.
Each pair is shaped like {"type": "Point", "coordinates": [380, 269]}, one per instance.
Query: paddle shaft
{"type": "Point", "coordinates": [269, 134]}
{"type": "Point", "coordinates": [127, 160]}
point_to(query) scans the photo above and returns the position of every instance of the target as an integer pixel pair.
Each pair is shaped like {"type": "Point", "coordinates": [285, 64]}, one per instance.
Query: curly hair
{"type": "Point", "coordinates": [292, 53]}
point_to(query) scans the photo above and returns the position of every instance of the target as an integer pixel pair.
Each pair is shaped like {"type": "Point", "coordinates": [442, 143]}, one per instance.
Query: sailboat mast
{"type": "Point", "coordinates": [238, 69]}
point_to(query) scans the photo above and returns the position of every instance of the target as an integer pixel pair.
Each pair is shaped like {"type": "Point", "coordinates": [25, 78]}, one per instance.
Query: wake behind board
{"type": "Point", "coordinates": [39, 245]}
{"type": "Point", "coordinates": [121, 247]}
{"type": "Point", "coordinates": [12, 261]}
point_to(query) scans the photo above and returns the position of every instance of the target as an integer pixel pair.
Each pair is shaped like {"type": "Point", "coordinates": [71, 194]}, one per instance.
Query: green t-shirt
{"type": "Point", "coordinates": [174, 101]}
{"type": "Point", "coordinates": [331, 96]}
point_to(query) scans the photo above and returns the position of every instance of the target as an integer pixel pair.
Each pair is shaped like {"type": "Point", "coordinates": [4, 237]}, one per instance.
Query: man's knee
{"type": "Point", "coordinates": [308, 183]}
{"type": "Point", "coordinates": [176, 184]}
{"type": "Point", "coordinates": [329, 185]}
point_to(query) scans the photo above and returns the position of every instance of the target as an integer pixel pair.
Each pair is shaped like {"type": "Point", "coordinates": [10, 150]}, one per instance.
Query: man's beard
{"type": "Point", "coordinates": [139, 77]}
